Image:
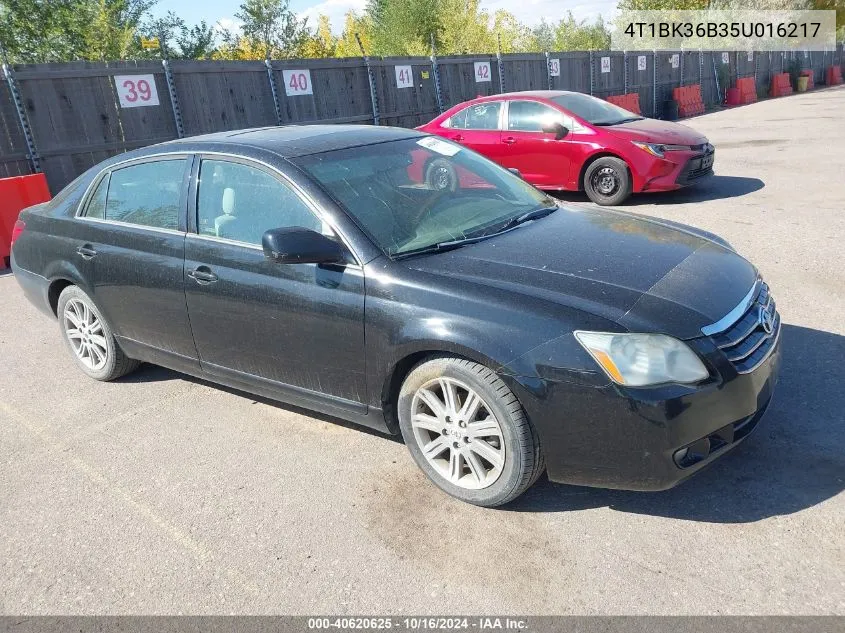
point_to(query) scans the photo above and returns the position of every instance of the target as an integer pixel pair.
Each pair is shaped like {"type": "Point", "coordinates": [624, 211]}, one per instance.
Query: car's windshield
{"type": "Point", "coordinates": [593, 110]}
{"type": "Point", "coordinates": [415, 193]}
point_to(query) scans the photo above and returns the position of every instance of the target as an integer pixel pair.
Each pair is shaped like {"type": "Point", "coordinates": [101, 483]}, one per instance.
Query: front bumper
{"type": "Point", "coordinates": [678, 169]}
{"type": "Point", "coordinates": [613, 437]}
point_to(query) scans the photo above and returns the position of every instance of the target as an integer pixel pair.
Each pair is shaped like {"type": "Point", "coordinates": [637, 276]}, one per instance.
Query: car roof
{"type": "Point", "coordinates": [527, 94]}
{"type": "Point", "coordinates": [291, 141]}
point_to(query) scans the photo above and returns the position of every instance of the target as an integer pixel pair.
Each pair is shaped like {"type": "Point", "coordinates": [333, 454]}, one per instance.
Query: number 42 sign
{"type": "Point", "coordinates": [134, 91]}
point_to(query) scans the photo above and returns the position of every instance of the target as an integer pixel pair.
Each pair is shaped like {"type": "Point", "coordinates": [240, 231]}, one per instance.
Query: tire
{"type": "Point", "coordinates": [607, 181]}
{"type": "Point", "coordinates": [93, 345]}
{"type": "Point", "coordinates": [440, 175]}
{"type": "Point", "coordinates": [490, 453]}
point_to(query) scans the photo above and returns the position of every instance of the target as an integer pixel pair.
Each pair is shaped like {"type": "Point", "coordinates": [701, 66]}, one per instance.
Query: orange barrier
{"type": "Point", "coordinates": [834, 75]}
{"type": "Point", "coordinates": [17, 194]}
{"type": "Point", "coordinates": [809, 75]}
{"type": "Point", "coordinates": [781, 85]}
{"type": "Point", "coordinates": [747, 90]}
{"type": "Point", "coordinates": [689, 100]}
{"type": "Point", "coordinates": [630, 101]}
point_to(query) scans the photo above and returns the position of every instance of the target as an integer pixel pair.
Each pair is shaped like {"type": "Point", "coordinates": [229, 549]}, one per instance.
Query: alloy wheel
{"type": "Point", "coordinates": [458, 434]}
{"type": "Point", "coordinates": [85, 333]}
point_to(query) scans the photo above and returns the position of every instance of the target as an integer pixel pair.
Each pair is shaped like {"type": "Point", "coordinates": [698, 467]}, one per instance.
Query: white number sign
{"type": "Point", "coordinates": [135, 91]}
{"type": "Point", "coordinates": [675, 60]}
{"type": "Point", "coordinates": [605, 64]}
{"type": "Point", "coordinates": [482, 71]}
{"type": "Point", "coordinates": [404, 77]}
{"type": "Point", "coordinates": [726, 58]}
{"type": "Point", "coordinates": [642, 64]}
{"type": "Point", "coordinates": [554, 68]}
{"type": "Point", "coordinates": [750, 56]}
{"type": "Point", "coordinates": [297, 82]}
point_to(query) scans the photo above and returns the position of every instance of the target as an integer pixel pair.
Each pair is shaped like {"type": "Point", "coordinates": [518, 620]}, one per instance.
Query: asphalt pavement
{"type": "Point", "coordinates": [164, 494]}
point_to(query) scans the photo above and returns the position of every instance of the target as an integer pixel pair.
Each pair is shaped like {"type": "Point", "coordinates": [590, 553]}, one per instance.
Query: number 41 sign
{"type": "Point", "coordinates": [134, 91]}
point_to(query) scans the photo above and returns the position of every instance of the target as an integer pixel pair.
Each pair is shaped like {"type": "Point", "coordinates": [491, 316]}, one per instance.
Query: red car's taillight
{"type": "Point", "coordinates": [19, 227]}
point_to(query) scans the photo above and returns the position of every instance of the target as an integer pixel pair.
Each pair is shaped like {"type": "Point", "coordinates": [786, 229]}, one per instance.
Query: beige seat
{"type": "Point", "coordinates": [223, 224]}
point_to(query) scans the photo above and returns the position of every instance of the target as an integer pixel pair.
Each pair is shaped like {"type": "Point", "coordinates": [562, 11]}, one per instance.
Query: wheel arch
{"type": "Point", "coordinates": [604, 153]}
{"type": "Point", "coordinates": [409, 359]}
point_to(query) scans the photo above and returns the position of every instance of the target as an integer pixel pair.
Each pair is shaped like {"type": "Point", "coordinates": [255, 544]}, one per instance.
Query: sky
{"type": "Point", "coordinates": [527, 11]}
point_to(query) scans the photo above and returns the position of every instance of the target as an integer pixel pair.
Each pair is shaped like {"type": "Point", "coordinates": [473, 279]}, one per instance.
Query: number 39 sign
{"type": "Point", "coordinates": [135, 91]}
{"type": "Point", "coordinates": [297, 82]}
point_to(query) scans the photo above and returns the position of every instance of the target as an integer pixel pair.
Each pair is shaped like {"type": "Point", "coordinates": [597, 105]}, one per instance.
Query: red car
{"type": "Point", "coordinates": [570, 141]}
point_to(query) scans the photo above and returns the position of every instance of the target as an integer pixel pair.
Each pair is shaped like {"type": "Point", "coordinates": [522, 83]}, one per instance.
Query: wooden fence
{"type": "Point", "coordinates": [64, 118]}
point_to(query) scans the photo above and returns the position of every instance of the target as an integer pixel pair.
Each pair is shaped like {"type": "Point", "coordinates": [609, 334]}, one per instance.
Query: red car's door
{"type": "Point", "coordinates": [542, 159]}
{"type": "Point", "coordinates": [477, 127]}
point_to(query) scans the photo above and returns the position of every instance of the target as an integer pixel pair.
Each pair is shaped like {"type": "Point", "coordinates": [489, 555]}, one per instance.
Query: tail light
{"type": "Point", "coordinates": [19, 227]}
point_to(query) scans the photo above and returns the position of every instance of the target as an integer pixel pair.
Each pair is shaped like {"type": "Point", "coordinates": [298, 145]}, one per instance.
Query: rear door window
{"type": "Point", "coordinates": [147, 194]}
{"type": "Point", "coordinates": [481, 116]}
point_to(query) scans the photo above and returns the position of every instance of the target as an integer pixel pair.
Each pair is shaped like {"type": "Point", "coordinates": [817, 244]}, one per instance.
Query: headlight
{"type": "Point", "coordinates": [637, 360]}
{"type": "Point", "coordinates": [652, 148]}
{"type": "Point", "coordinates": [659, 149]}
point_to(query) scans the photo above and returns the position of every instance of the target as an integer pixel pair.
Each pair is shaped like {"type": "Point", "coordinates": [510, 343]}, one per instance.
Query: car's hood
{"type": "Point", "coordinates": [654, 131]}
{"type": "Point", "coordinates": [646, 276]}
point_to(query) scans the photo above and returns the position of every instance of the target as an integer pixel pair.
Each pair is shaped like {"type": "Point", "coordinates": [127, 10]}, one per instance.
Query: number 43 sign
{"type": "Point", "coordinates": [134, 91]}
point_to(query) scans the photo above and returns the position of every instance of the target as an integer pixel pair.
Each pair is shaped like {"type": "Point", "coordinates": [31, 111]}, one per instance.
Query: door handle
{"type": "Point", "coordinates": [458, 138]}
{"type": "Point", "coordinates": [509, 140]}
{"type": "Point", "coordinates": [202, 275]}
{"type": "Point", "coordinates": [86, 251]}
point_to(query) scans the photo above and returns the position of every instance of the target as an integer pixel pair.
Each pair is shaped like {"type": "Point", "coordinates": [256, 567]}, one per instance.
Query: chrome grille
{"type": "Point", "coordinates": [748, 341]}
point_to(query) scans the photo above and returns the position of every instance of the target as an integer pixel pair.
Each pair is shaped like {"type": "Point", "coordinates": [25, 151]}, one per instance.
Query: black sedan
{"type": "Point", "coordinates": [501, 334]}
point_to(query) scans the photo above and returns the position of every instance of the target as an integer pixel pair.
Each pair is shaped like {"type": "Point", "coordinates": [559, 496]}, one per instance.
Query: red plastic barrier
{"type": "Point", "coordinates": [747, 90]}
{"type": "Point", "coordinates": [689, 100]}
{"type": "Point", "coordinates": [630, 101]}
{"type": "Point", "coordinates": [781, 85]}
{"type": "Point", "coordinates": [17, 194]}
{"type": "Point", "coordinates": [809, 75]}
{"type": "Point", "coordinates": [834, 75]}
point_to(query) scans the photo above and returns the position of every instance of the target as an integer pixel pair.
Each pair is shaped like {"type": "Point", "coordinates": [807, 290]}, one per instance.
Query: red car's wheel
{"type": "Point", "coordinates": [440, 175]}
{"type": "Point", "coordinates": [607, 181]}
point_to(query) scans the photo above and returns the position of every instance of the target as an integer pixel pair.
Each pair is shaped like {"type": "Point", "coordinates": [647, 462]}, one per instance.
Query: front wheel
{"type": "Point", "coordinates": [607, 181]}
{"type": "Point", "coordinates": [467, 431]}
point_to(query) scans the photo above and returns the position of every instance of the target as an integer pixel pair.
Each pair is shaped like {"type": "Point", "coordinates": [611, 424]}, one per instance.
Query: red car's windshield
{"type": "Point", "coordinates": [593, 110]}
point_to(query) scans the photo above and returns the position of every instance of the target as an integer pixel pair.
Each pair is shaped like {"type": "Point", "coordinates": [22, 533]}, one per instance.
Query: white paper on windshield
{"type": "Point", "coordinates": [436, 145]}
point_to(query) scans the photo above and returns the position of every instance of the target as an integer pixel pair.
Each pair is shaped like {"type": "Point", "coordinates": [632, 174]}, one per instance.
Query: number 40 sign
{"type": "Point", "coordinates": [297, 82]}
{"type": "Point", "coordinates": [134, 91]}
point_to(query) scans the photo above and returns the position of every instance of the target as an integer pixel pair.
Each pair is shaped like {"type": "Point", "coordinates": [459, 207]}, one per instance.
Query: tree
{"type": "Point", "coordinates": [346, 45]}
{"type": "Point", "coordinates": [33, 31]}
{"type": "Point", "coordinates": [178, 41]}
{"type": "Point", "coordinates": [405, 27]}
{"type": "Point", "coordinates": [321, 43]}
{"type": "Point", "coordinates": [111, 26]}
{"type": "Point", "coordinates": [270, 30]}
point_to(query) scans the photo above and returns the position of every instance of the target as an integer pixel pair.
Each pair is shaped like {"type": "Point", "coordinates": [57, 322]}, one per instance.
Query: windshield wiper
{"type": "Point", "coordinates": [439, 247]}
{"type": "Point", "coordinates": [619, 122]}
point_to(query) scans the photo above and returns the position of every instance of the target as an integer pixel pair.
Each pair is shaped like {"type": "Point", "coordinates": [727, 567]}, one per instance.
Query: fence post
{"type": "Point", "coordinates": [625, 72]}
{"type": "Point", "coordinates": [436, 71]}
{"type": "Point", "coordinates": [548, 69]}
{"type": "Point", "coordinates": [681, 62]}
{"type": "Point", "coordinates": [654, 85]}
{"type": "Point", "coordinates": [591, 72]}
{"type": "Point", "coordinates": [371, 78]}
{"type": "Point", "coordinates": [32, 152]}
{"type": "Point", "coordinates": [700, 70]}
{"type": "Point", "coordinates": [174, 100]}
{"type": "Point", "coordinates": [274, 90]}
{"type": "Point", "coordinates": [499, 63]}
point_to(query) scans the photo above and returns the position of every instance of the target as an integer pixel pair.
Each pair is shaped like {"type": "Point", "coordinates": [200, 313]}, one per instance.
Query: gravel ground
{"type": "Point", "coordinates": [164, 494]}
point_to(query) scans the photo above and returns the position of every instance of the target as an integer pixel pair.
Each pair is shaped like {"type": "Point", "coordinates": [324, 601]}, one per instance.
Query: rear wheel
{"type": "Point", "coordinates": [607, 181]}
{"type": "Point", "coordinates": [90, 338]}
{"type": "Point", "coordinates": [467, 431]}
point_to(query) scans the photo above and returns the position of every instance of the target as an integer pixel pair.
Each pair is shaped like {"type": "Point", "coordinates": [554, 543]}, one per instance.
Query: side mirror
{"type": "Point", "coordinates": [515, 171]}
{"type": "Point", "coordinates": [296, 245]}
{"type": "Point", "coordinates": [557, 129]}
